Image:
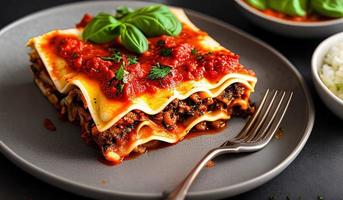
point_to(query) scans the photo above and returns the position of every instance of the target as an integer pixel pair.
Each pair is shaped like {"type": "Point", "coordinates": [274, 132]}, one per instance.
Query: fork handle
{"type": "Point", "coordinates": [179, 193]}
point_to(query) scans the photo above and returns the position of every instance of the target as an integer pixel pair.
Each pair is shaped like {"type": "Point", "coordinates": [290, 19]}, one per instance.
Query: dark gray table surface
{"type": "Point", "coordinates": [317, 171]}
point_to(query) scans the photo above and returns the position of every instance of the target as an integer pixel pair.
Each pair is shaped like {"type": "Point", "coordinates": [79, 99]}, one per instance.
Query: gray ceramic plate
{"type": "Point", "coordinates": [62, 159]}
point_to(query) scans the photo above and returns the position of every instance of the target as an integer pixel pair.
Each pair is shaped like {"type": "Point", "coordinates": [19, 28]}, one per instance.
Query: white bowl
{"type": "Point", "coordinates": [330, 99]}
{"type": "Point", "coordinates": [290, 28]}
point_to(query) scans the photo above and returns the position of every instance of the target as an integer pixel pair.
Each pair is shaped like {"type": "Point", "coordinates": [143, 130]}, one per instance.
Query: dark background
{"type": "Point", "coordinates": [316, 172]}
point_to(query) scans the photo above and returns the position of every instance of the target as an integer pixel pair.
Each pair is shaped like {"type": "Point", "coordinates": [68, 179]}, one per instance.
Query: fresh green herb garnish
{"type": "Point", "coordinates": [292, 8]}
{"type": "Point", "coordinates": [194, 51]}
{"type": "Point", "coordinates": [165, 52]}
{"type": "Point", "coordinates": [132, 26]}
{"type": "Point", "coordinates": [154, 20]}
{"type": "Point", "coordinates": [259, 4]}
{"type": "Point", "coordinates": [116, 56]}
{"type": "Point", "coordinates": [102, 28]}
{"type": "Point", "coordinates": [121, 74]}
{"type": "Point", "coordinates": [329, 8]}
{"type": "Point", "coordinates": [122, 11]}
{"type": "Point", "coordinates": [289, 7]}
{"type": "Point", "coordinates": [120, 88]}
{"type": "Point", "coordinates": [159, 71]}
{"type": "Point", "coordinates": [132, 60]}
{"type": "Point", "coordinates": [133, 39]}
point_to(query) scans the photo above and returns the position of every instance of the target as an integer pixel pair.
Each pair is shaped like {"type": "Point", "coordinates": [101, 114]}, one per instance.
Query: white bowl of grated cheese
{"type": "Point", "coordinates": [327, 72]}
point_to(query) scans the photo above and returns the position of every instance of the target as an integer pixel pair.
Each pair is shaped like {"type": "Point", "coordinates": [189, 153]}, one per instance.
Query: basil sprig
{"type": "Point", "coordinates": [132, 27]}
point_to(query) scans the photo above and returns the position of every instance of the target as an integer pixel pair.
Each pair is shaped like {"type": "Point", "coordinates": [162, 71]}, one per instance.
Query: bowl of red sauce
{"type": "Point", "coordinates": [302, 19]}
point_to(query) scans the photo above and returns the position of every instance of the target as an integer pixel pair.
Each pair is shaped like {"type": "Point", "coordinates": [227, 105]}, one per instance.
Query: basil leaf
{"type": "Point", "coordinates": [133, 39]}
{"type": "Point", "coordinates": [329, 8]}
{"type": "Point", "coordinates": [259, 4]}
{"type": "Point", "coordinates": [154, 20]}
{"type": "Point", "coordinates": [289, 7]}
{"type": "Point", "coordinates": [101, 29]}
{"type": "Point", "coordinates": [122, 11]}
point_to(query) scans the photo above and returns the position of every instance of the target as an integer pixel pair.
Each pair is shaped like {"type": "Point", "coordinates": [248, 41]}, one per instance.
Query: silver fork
{"type": "Point", "coordinates": [255, 135]}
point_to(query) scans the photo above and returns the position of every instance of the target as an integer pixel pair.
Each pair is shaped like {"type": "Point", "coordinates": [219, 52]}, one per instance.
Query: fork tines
{"type": "Point", "coordinates": [267, 118]}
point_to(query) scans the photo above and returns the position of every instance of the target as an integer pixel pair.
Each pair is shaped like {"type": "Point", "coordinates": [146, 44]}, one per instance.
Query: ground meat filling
{"type": "Point", "coordinates": [179, 111]}
{"type": "Point", "coordinates": [72, 107]}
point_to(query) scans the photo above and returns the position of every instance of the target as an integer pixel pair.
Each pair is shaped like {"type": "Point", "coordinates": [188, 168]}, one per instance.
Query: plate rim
{"type": "Point", "coordinates": [89, 191]}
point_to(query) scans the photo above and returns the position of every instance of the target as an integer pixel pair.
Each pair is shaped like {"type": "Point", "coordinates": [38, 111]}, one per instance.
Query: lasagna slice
{"type": "Point", "coordinates": [204, 85]}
